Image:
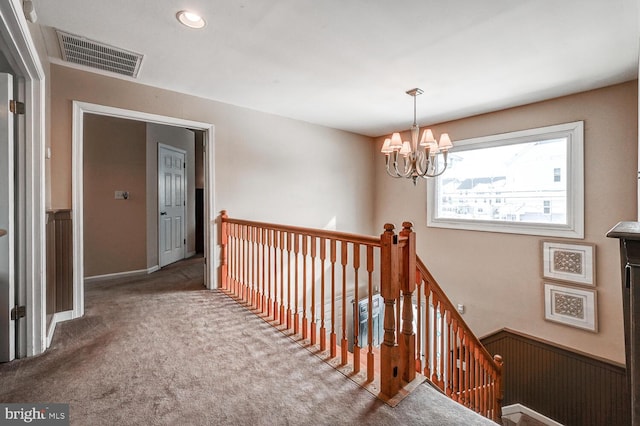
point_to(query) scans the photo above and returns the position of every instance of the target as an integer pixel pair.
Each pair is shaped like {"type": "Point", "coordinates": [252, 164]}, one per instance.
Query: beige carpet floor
{"type": "Point", "coordinates": [162, 350]}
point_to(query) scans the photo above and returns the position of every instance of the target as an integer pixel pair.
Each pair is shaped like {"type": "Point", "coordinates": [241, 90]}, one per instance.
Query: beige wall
{"type": "Point", "coordinates": [185, 140]}
{"type": "Point", "coordinates": [267, 167]}
{"type": "Point", "coordinates": [114, 230]}
{"type": "Point", "coordinates": [498, 276]}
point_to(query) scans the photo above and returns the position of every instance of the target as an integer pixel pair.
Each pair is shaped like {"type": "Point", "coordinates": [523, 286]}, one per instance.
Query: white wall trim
{"type": "Point", "coordinates": [81, 108]}
{"type": "Point", "coordinates": [514, 411]}
{"type": "Point", "coordinates": [124, 274]}
{"type": "Point", "coordinates": [57, 317]}
{"type": "Point", "coordinates": [31, 175]}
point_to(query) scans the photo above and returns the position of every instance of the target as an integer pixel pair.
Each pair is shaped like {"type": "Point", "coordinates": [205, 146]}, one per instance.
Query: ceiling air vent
{"type": "Point", "coordinates": [82, 51]}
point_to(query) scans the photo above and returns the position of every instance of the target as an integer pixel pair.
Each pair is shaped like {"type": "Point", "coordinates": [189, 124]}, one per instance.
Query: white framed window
{"type": "Point", "coordinates": [525, 182]}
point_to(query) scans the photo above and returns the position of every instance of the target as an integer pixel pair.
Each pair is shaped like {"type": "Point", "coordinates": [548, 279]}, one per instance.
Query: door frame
{"type": "Point", "coordinates": [81, 108]}
{"type": "Point", "coordinates": [184, 194]}
{"type": "Point", "coordinates": [30, 221]}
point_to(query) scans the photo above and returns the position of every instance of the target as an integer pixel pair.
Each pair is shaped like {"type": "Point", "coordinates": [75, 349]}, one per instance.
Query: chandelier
{"type": "Point", "coordinates": [420, 159]}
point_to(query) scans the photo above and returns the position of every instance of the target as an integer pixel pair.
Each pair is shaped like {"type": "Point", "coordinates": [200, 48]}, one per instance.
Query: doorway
{"type": "Point", "coordinates": [207, 130]}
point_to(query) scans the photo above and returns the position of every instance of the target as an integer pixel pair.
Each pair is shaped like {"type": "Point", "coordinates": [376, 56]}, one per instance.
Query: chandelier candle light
{"type": "Point", "coordinates": [420, 159]}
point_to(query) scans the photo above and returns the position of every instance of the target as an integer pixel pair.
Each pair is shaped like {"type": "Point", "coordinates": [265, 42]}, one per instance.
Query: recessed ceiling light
{"type": "Point", "coordinates": [190, 19]}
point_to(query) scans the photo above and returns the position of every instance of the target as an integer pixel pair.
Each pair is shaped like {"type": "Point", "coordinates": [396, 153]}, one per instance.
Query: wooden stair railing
{"type": "Point", "coordinates": [289, 276]}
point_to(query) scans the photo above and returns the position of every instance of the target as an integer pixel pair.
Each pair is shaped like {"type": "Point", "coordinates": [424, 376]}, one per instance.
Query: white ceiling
{"type": "Point", "coordinates": [347, 63]}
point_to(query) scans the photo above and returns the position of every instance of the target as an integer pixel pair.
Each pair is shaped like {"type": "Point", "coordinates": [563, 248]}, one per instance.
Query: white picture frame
{"type": "Point", "coordinates": [570, 262]}
{"type": "Point", "coordinates": [572, 306]}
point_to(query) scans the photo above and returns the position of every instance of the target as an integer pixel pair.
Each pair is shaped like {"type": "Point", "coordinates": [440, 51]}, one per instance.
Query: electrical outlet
{"type": "Point", "coordinates": [461, 308]}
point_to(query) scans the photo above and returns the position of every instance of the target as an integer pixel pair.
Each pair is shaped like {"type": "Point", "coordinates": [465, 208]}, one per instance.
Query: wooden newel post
{"type": "Point", "coordinates": [499, 394]}
{"type": "Point", "coordinates": [408, 286]}
{"type": "Point", "coordinates": [223, 248]}
{"type": "Point", "coordinates": [389, 290]}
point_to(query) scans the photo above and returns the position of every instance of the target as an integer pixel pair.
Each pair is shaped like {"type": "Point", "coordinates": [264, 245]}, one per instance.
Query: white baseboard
{"type": "Point", "coordinates": [513, 413]}
{"type": "Point", "coordinates": [190, 254]}
{"type": "Point", "coordinates": [121, 274]}
{"type": "Point", "coordinates": [57, 317]}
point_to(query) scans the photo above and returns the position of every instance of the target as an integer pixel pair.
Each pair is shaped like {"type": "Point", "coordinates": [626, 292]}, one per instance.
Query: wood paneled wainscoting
{"type": "Point", "coordinates": [59, 262]}
{"type": "Point", "coordinates": [567, 386]}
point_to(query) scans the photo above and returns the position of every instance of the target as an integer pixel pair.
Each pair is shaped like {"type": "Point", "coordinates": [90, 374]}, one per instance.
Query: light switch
{"type": "Point", "coordinates": [461, 308]}
{"type": "Point", "coordinates": [122, 195]}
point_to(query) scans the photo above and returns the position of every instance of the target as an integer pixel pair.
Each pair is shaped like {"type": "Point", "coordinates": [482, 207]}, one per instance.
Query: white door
{"type": "Point", "coordinates": [171, 203]}
{"type": "Point", "coordinates": [7, 276]}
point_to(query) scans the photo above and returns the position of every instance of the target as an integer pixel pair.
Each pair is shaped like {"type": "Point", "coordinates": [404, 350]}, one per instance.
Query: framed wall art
{"type": "Point", "coordinates": [569, 262]}
{"type": "Point", "coordinates": [571, 306]}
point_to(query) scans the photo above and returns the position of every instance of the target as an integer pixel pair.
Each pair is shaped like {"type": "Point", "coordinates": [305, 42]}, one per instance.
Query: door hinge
{"type": "Point", "coordinates": [184, 241]}
{"type": "Point", "coordinates": [18, 312]}
{"type": "Point", "coordinates": [16, 107]}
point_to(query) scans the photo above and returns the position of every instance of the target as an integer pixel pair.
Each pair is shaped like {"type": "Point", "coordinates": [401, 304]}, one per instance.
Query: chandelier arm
{"type": "Point", "coordinates": [408, 167]}
{"type": "Point", "coordinates": [388, 168]}
{"type": "Point", "coordinates": [422, 158]}
{"type": "Point", "coordinates": [436, 174]}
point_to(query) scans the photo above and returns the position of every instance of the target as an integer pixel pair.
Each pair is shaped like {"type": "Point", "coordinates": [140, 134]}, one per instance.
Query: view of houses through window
{"type": "Point", "coordinates": [519, 182]}
{"type": "Point", "coordinates": [525, 182]}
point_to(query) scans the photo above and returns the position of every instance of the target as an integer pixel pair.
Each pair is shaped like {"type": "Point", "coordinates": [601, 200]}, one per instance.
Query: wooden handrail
{"type": "Point", "coordinates": [308, 282]}
{"type": "Point", "coordinates": [318, 233]}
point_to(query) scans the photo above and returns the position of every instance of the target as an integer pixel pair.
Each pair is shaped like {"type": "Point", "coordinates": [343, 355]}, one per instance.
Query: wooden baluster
{"type": "Point", "coordinates": [435, 336]}
{"type": "Point", "coordinates": [263, 242]}
{"type": "Point", "coordinates": [356, 310]}
{"type": "Point", "coordinates": [240, 281]}
{"type": "Point", "coordinates": [305, 252]}
{"type": "Point", "coordinates": [483, 389]}
{"type": "Point", "coordinates": [498, 395]}
{"type": "Point", "coordinates": [370, 356]}
{"type": "Point", "coordinates": [279, 307]}
{"type": "Point", "coordinates": [449, 359]}
{"type": "Point", "coordinates": [289, 248]}
{"type": "Point", "coordinates": [323, 331]}
{"type": "Point", "coordinates": [418, 355]}
{"type": "Point", "coordinates": [313, 291]}
{"type": "Point", "coordinates": [246, 280]}
{"type": "Point", "coordinates": [390, 373]}
{"type": "Point", "coordinates": [230, 258]}
{"type": "Point", "coordinates": [243, 269]}
{"type": "Point", "coordinates": [333, 339]}
{"type": "Point", "coordinates": [474, 380]}
{"type": "Point", "coordinates": [461, 371]}
{"type": "Point", "coordinates": [428, 335]}
{"type": "Point", "coordinates": [276, 249]}
{"type": "Point", "coordinates": [472, 375]}
{"type": "Point", "coordinates": [468, 372]}
{"type": "Point", "coordinates": [455, 361]}
{"type": "Point", "coordinates": [255, 263]}
{"type": "Point", "coordinates": [269, 272]}
{"type": "Point", "coordinates": [458, 375]}
{"type": "Point", "coordinates": [344, 345]}
{"type": "Point", "coordinates": [407, 342]}
{"type": "Point", "coordinates": [236, 269]}
{"type": "Point", "coordinates": [443, 354]}
{"type": "Point", "coordinates": [250, 266]}
{"type": "Point", "coordinates": [256, 268]}
{"type": "Point", "coordinates": [224, 237]}
{"type": "Point", "coordinates": [296, 253]}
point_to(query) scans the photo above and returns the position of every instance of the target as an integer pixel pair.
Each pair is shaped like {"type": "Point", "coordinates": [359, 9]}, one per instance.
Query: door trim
{"type": "Point", "coordinates": [81, 108]}
{"type": "Point", "coordinates": [30, 223]}
{"type": "Point", "coordinates": [184, 194]}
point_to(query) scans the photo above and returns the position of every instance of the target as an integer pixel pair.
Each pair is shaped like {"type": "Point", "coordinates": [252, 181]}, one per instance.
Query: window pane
{"type": "Point", "coordinates": [518, 182]}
